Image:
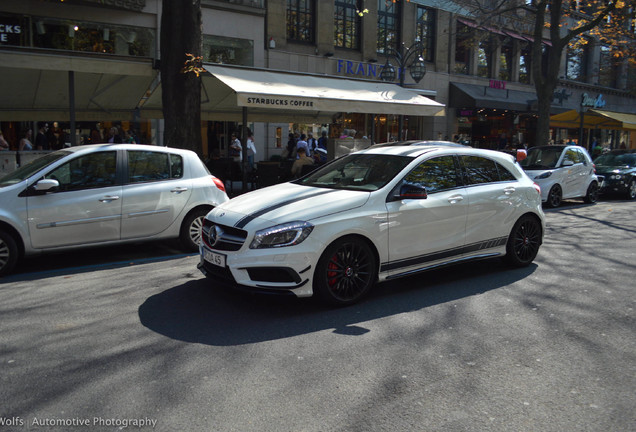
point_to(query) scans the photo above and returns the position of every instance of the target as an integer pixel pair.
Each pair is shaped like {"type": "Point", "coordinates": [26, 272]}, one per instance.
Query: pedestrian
{"type": "Point", "coordinates": [312, 143]}
{"type": "Point", "coordinates": [25, 142]}
{"type": "Point", "coordinates": [4, 145]}
{"type": "Point", "coordinates": [291, 147]}
{"type": "Point", "coordinates": [302, 160]}
{"type": "Point", "coordinates": [251, 150]}
{"type": "Point", "coordinates": [302, 144]}
{"type": "Point", "coordinates": [236, 151]}
{"type": "Point", "coordinates": [322, 141]}
{"type": "Point", "coordinates": [41, 140]}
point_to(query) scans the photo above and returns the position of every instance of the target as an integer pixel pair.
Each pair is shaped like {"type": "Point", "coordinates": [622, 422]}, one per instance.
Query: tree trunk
{"type": "Point", "coordinates": [181, 92]}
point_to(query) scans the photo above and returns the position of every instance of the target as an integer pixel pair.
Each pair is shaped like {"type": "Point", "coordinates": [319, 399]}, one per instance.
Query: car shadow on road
{"type": "Point", "coordinates": [199, 312]}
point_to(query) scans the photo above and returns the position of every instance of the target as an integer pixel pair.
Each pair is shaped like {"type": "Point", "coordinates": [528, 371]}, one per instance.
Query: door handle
{"type": "Point", "coordinates": [455, 199]}
{"type": "Point", "coordinates": [509, 190]}
{"type": "Point", "coordinates": [179, 190]}
{"type": "Point", "coordinates": [109, 198]}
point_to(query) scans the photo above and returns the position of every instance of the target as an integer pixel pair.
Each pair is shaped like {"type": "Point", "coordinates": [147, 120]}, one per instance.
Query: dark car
{"type": "Point", "coordinates": [617, 171]}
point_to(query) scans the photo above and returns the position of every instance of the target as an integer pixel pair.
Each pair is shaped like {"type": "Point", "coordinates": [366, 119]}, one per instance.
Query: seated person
{"type": "Point", "coordinates": [303, 159]}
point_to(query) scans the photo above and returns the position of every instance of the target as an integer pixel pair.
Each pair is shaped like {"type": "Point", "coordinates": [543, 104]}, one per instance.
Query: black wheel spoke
{"type": "Point", "coordinates": [349, 272]}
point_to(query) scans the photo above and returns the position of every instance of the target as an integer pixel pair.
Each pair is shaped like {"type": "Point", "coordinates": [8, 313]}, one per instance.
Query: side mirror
{"type": "Point", "coordinates": [46, 185]}
{"type": "Point", "coordinates": [411, 191]}
{"type": "Point", "coordinates": [567, 163]}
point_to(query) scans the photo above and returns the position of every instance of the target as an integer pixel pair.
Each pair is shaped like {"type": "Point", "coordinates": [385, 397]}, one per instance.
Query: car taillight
{"type": "Point", "coordinates": [218, 183]}
{"type": "Point", "coordinates": [594, 168]}
{"type": "Point", "coordinates": [537, 188]}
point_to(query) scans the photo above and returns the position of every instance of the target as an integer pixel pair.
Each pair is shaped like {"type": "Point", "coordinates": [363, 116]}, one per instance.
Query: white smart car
{"type": "Point", "coordinates": [377, 214]}
{"type": "Point", "coordinates": [104, 194]}
{"type": "Point", "coordinates": [562, 172]}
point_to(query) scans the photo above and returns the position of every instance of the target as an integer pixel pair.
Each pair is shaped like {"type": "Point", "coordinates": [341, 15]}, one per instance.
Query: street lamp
{"type": "Point", "coordinates": [417, 68]}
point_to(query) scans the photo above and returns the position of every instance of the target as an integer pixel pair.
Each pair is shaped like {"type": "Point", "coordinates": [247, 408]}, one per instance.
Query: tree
{"type": "Point", "coordinates": [181, 88]}
{"type": "Point", "coordinates": [609, 21]}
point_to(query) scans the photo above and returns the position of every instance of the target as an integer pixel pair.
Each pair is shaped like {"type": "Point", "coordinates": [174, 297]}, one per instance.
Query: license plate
{"type": "Point", "coordinates": [214, 258]}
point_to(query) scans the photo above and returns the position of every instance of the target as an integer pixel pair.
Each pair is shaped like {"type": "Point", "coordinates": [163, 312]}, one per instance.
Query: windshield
{"type": "Point", "coordinates": [542, 158]}
{"type": "Point", "coordinates": [616, 160]}
{"type": "Point", "coordinates": [366, 172]}
{"type": "Point", "coordinates": [31, 168]}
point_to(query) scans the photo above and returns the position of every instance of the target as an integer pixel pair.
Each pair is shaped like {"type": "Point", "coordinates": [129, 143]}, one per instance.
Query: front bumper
{"type": "Point", "coordinates": [611, 186]}
{"type": "Point", "coordinates": [284, 271]}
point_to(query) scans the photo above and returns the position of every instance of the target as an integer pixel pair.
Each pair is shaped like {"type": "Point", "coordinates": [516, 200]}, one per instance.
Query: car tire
{"type": "Point", "coordinates": [190, 235]}
{"type": "Point", "coordinates": [555, 196]}
{"type": "Point", "coordinates": [592, 193]}
{"type": "Point", "coordinates": [345, 272]}
{"type": "Point", "coordinates": [631, 189]}
{"type": "Point", "coordinates": [524, 242]}
{"type": "Point", "coordinates": [8, 253]}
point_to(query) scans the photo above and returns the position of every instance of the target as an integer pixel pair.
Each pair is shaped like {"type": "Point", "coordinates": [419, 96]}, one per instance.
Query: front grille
{"type": "Point", "coordinates": [222, 237]}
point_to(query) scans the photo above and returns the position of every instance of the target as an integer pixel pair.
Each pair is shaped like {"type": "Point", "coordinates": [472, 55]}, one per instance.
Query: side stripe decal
{"type": "Point", "coordinates": [422, 259]}
{"type": "Point", "coordinates": [247, 219]}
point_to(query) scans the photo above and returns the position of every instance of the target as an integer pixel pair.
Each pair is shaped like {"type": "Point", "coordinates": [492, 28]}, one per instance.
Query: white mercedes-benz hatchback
{"type": "Point", "coordinates": [104, 194]}
{"type": "Point", "coordinates": [373, 215]}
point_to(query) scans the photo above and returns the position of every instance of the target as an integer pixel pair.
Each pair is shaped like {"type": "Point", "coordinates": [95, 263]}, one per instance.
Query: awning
{"type": "Point", "coordinates": [472, 95]}
{"type": "Point", "coordinates": [275, 96]}
{"type": "Point", "coordinates": [36, 86]}
{"type": "Point", "coordinates": [445, 5]}
{"type": "Point", "coordinates": [594, 119]}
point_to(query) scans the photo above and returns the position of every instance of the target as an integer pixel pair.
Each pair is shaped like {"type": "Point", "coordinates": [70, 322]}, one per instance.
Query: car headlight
{"type": "Point", "coordinates": [544, 175]}
{"type": "Point", "coordinates": [615, 177]}
{"type": "Point", "coordinates": [287, 234]}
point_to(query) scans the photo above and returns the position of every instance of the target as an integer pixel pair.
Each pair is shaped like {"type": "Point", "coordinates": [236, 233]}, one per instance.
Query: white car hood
{"type": "Point", "coordinates": [285, 202]}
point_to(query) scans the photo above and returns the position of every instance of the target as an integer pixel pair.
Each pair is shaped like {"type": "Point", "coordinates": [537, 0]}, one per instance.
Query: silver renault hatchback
{"type": "Point", "coordinates": [104, 194]}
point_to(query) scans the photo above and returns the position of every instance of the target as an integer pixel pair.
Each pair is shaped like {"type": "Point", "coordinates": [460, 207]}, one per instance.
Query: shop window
{"type": "Point", "coordinates": [462, 49]}
{"type": "Point", "coordinates": [577, 57]}
{"type": "Point", "coordinates": [219, 49]}
{"type": "Point", "coordinates": [425, 32]}
{"type": "Point", "coordinates": [300, 22]}
{"type": "Point", "coordinates": [71, 35]}
{"type": "Point", "coordinates": [484, 58]}
{"type": "Point", "coordinates": [608, 67]}
{"type": "Point", "coordinates": [505, 60]}
{"type": "Point", "coordinates": [347, 24]}
{"type": "Point", "coordinates": [388, 26]}
{"type": "Point", "coordinates": [525, 65]}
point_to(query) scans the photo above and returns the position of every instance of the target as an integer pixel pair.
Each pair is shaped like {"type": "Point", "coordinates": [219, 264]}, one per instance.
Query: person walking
{"type": "Point", "coordinates": [41, 140]}
{"type": "Point", "coordinates": [302, 144]}
{"type": "Point", "coordinates": [25, 142]}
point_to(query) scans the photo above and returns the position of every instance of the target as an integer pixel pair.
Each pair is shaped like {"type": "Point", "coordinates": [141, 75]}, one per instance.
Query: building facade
{"type": "Point", "coordinates": [87, 65]}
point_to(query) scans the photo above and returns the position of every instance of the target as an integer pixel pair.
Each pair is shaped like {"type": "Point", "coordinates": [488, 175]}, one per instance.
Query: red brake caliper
{"type": "Point", "coordinates": [331, 273]}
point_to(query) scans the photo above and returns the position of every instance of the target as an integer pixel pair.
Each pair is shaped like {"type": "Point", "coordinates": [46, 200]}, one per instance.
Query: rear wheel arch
{"type": "Point", "coordinates": [16, 236]}
{"type": "Point", "coordinates": [184, 230]}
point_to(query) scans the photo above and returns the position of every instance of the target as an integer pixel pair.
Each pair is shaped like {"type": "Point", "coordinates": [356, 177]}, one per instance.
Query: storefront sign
{"type": "Point", "coordinates": [589, 101]}
{"type": "Point", "coordinates": [465, 113]}
{"type": "Point", "coordinates": [278, 102]}
{"type": "Point", "coordinates": [134, 5]}
{"type": "Point", "coordinates": [497, 84]}
{"type": "Point", "coordinates": [561, 95]}
{"type": "Point", "coordinates": [10, 33]}
{"type": "Point", "coordinates": [349, 67]}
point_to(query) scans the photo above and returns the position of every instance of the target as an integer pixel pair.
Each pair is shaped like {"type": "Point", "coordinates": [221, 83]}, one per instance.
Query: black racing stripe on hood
{"type": "Point", "coordinates": [247, 219]}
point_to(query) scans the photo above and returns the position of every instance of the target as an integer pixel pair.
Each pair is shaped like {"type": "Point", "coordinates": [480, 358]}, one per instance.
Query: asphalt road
{"type": "Point", "coordinates": [103, 340]}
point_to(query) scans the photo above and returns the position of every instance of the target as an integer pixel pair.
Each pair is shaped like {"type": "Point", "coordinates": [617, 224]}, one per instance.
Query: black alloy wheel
{"type": "Point", "coordinates": [8, 253]}
{"type": "Point", "coordinates": [524, 241]}
{"type": "Point", "coordinates": [555, 196]}
{"type": "Point", "coordinates": [592, 193]}
{"type": "Point", "coordinates": [631, 189]}
{"type": "Point", "coordinates": [345, 272]}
